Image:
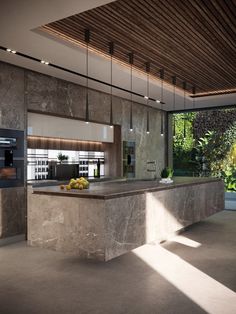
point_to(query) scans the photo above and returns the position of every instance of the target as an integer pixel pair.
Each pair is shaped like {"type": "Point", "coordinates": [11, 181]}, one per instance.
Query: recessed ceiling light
{"type": "Point", "coordinates": [158, 101]}
{"type": "Point", "coordinates": [10, 50]}
{"type": "Point", "coordinates": [44, 62]}
{"type": "Point", "coordinates": [146, 97]}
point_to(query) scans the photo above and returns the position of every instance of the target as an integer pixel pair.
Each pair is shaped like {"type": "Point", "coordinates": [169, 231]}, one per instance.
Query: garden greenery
{"type": "Point", "coordinates": [212, 154]}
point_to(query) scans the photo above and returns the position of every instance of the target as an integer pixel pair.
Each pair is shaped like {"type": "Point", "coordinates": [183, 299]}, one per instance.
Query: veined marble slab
{"type": "Point", "coordinates": [105, 228]}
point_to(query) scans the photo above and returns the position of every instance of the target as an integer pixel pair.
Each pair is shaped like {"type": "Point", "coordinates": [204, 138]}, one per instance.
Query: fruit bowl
{"type": "Point", "coordinates": [77, 184]}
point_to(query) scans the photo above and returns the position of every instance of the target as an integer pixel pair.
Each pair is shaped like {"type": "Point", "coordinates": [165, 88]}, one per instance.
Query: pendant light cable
{"type": "Point", "coordinates": [174, 85]}
{"type": "Point", "coordinates": [111, 51]}
{"type": "Point", "coordinates": [162, 116]}
{"type": "Point", "coordinates": [194, 92]}
{"type": "Point", "coordinates": [147, 97]}
{"type": "Point", "coordinates": [184, 88]}
{"type": "Point", "coordinates": [87, 39]}
{"type": "Point", "coordinates": [131, 61]}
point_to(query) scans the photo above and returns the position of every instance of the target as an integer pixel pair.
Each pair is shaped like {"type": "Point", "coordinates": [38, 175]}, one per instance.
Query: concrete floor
{"type": "Point", "coordinates": [192, 273]}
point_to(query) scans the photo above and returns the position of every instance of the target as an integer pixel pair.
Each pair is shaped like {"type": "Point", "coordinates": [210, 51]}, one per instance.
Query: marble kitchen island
{"type": "Point", "coordinates": [112, 218]}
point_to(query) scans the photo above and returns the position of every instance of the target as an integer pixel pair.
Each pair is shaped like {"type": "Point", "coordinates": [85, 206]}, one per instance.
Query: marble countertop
{"type": "Point", "coordinates": [50, 182]}
{"type": "Point", "coordinates": [114, 189]}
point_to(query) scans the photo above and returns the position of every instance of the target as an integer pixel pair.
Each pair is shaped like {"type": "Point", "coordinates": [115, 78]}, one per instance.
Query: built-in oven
{"type": "Point", "coordinates": [128, 159]}
{"type": "Point", "coordinates": [11, 158]}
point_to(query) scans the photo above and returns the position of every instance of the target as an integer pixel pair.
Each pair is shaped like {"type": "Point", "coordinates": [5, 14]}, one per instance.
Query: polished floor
{"type": "Point", "coordinates": [194, 272]}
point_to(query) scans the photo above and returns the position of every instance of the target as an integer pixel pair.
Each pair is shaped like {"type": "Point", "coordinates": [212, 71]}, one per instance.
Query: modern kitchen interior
{"type": "Point", "coordinates": [98, 100]}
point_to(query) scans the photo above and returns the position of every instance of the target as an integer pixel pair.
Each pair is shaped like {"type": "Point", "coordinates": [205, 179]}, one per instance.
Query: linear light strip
{"type": "Point", "coordinates": [45, 138]}
{"type": "Point", "coordinates": [213, 93]}
{"type": "Point", "coordinates": [58, 67]}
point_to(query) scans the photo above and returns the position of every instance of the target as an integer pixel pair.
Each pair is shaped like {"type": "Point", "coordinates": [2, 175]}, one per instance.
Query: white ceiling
{"type": "Point", "coordinates": [19, 20]}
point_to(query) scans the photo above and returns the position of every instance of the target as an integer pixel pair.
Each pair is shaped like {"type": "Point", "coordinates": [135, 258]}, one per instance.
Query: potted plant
{"type": "Point", "coordinates": [62, 157]}
{"type": "Point", "coordinates": [166, 175]}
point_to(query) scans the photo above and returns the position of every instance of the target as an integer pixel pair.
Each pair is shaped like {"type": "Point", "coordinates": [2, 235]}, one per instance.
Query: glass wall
{"type": "Point", "coordinates": [204, 144]}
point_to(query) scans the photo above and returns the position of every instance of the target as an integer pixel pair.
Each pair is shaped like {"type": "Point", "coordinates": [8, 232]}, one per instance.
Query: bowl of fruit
{"type": "Point", "coordinates": [77, 184]}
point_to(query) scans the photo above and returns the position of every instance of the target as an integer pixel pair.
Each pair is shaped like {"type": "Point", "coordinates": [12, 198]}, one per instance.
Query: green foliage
{"type": "Point", "coordinates": [62, 157]}
{"type": "Point", "coordinates": [167, 172]}
{"type": "Point", "coordinates": [213, 153]}
{"type": "Point", "coordinates": [213, 120]}
{"type": "Point", "coordinates": [229, 176]}
{"type": "Point", "coordinates": [183, 148]}
{"type": "Point", "coordinates": [212, 149]}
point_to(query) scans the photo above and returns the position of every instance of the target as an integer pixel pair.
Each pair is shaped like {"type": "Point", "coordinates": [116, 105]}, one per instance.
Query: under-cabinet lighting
{"type": "Point", "coordinates": [55, 139]}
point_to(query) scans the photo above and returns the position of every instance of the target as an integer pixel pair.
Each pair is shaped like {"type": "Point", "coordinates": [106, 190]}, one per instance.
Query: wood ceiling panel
{"type": "Point", "coordinates": [192, 39]}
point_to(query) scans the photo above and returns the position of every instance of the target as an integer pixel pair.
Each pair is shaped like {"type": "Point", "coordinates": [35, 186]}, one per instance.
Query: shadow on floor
{"type": "Point", "coordinates": [35, 280]}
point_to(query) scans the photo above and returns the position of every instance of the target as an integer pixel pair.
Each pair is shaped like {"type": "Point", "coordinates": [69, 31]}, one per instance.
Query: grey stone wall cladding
{"type": "Point", "coordinates": [12, 116]}
{"type": "Point", "coordinates": [22, 90]}
{"type": "Point", "coordinates": [13, 212]}
{"type": "Point", "coordinates": [12, 107]}
{"type": "Point", "coordinates": [52, 95]}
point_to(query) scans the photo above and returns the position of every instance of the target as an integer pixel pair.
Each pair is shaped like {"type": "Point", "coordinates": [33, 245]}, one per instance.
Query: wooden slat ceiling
{"type": "Point", "coordinates": [192, 39]}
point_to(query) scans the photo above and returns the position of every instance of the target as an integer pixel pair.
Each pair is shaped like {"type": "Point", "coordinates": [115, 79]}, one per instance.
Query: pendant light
{"type": "Point", "coordinates": [194, 92]}
{"type": "Point", "coordinates": [174, 85]}
{"type": "Point", "coordinates": [147, 96]}
{"type": "Point", "coordinates": [131, 61]}
{"type": "Point", "coordinates": [184, 88]}
{"type": "Point", "coordinates": [111, 51]}
{"type": "Point", "coordinates": [87, 39]}
{"type": "Point", "coordinates": [162, 115]}
{"type": "Point", "coordinates": [148, 130]}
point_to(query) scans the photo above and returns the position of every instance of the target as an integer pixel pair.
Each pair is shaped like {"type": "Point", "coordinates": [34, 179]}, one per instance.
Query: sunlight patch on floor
{"type": "Point", "coordinates": [185, 241]}
{"type": "Point", "coordinates": [209, 294]}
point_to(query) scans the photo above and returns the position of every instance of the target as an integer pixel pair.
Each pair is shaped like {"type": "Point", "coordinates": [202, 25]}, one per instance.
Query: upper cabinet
{"type": "Point", "coordinates": [57, 127]}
